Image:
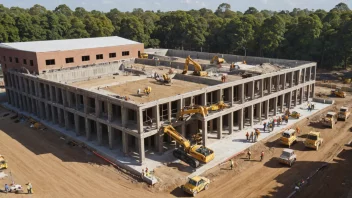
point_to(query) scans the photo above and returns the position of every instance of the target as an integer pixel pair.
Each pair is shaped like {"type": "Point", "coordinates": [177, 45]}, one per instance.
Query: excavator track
{"type": "Point", "coordinates": [183, 156]}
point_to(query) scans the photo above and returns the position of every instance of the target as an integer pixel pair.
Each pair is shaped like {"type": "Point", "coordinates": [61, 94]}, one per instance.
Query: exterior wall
{"type": "Point", "coordinates": [39, 59]}
{"type": "Point", "coordinates": [6, 65]}
{"type": "Point", "coordinates": [60, 57]}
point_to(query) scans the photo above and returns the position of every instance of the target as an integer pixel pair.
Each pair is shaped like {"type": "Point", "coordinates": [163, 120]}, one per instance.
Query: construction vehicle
{"type": "Point", "coordinates": [295, 114]}
{"type": "Point", "coordinates": [3, 163]}
{"type": "Point", "coordinates": [344, 114]}
{"type": "Point", "coordinates": [288, 137]}
{"type": "Point", "coordinates": [192, 110]}
{"type": "Point", "coordinates": [197, 67]}
{"type": "Point", "coordinates": [338, 93]}
{"type": "Point", "coordinates": [330, 119]}
{"type": "Point", "coordinates": [288, 157]}
{"type": "Point", "coordinates": [165, 80]}
{"type": "Point", "coordinates": [190, 154]}
{"type": "Point", "coordinates": [218, 106]}
{"type": "Point", "coordinates": [143, 55]}
{"type": "Point", "coordinates": [217, 60]}
{"type": "Point", "coordinates": [146, 91]}
{"type": "Point", "coordinates": [313, 140]}
{"type": "Point", "coordinates": [195, 185]}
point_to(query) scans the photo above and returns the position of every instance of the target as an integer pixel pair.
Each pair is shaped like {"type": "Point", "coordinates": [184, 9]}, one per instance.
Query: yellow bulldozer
{"type": "Point", "coordinates": [197, 67]}
{"type": "Point", "coordinates": [218, 106]}
{"type": "Point", "coordinates": [143, 55]}
{"type": "Point", "coordinates": [165, 79]}
{"type": "Point", "coordinates": [338, 93]}
{"type": "Point", "coordinates": [190, 154]}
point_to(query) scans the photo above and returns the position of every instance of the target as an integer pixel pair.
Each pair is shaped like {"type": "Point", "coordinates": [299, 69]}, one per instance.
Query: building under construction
{"type": "Point", "coordinates": [91, 87]}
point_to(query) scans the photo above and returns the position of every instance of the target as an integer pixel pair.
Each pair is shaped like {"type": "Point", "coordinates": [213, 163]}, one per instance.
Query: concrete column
{"type": "Point", "coordinates": [53, 115]}
{"type": "Point", "coordinates": [251, 112]}
{"type": "Point", "coordinates": [125, 142]}
{"type": "Point", "coordinates": [241, 93]}
{"type": "Point", "coordinates": [211, 126]}
{"type": "Point", "coordinates": [141, 150]}
{"type": "Point", "coordinates": [309, 73]}
{"type": "Point", "coordinates": [66, 120]}
{"type": "Point", "coordinates": [261, 88]}
{"type": "Point", "coordinates": [156, 115]}
{"type": "Point", "coordinates": [97, 107]}
{"type": "Point", "coordinates": [282, 103]}
{"type": "Point", "coordinates": [160, 140]}
{"type": "Point", "coordinates": [59, 116]}
{"type": "Point", "coordinates": [169, 111]}
{"type": "Point", "coordinates": [231, 95]}
{"type": "Point", "coordinates": [259, 111]}
{"type": "Point", "coordinates": [230, 123]}
{"type": "Point", "coordinates": [219, 95]}
{"type": "Point", "coordinates": [180, 105]}
{"type": "Point", "coordinates": [313, 90]}
{"type": "Point", "coordinates": [41, 110]}
{"type": "Point", "coordinates": [204, 132]}
{"type": "Point", "coordinates": [291, 78]}
{"type": "Point", "coordinates": [30, 110]}
{"type": "Point", "coordinates": [304, 73]}
{"type": "Point", "coordinates": [85, 104]}
{"type": "Point", "coordinates": [63, 95]}
{"type": "Point", "coordinates": [301, 95]}
{"type": "Point", "coordinates": [270, 85]}
{"type": "Point", "coordinates": [51, 94]}
{"type": "Point", "coordinates": [76, 117]}
{"type": "Point", "coordinates": [203, 99]}
{"type": "Point", "coordinates": [251, 90]}
{"type": "Point", "coordinates": [110, 112]}
{"type": "Point", "coordinates": [111, 135]}
{"type": "Point", "coordinates": [124, 116]}
{"type": "Point", "coordinates": [140, 120]}
{"type": "Point", "coordinates": [295, 96]}
{"type": "Point", "coordinates": [240, 119]}
{"type": "Point", "coordinates": [266, 109]}
{"type": "Point", "coordinates": [219, 126]}
{"type": "Point", "coordinates": [284, 81]}
{"type": "Point", "coordinates": [69, 98]}
{"type": "Point", "coordinates": [100, 134]}
{"type": "Point", "coordinates": [275, 106]}
{"type": "Point", "coordinates": [277, 83]}
{"type": "Point", "coordinates": [47, 112]}
{"type": "Point", "coordinates": [289, 99]}
{"type": "Point", "coordinates": [308, 92]}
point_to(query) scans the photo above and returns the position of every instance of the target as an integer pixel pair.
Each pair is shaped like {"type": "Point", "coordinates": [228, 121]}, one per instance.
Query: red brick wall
{"type": "Point", "coordinates": [6, 64]}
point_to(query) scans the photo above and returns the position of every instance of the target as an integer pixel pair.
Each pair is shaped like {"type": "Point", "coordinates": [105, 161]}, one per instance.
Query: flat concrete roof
{"type": "Point", "coordinates": [68, 44]}
{"type": "Point", "coordinates": [159, 91]}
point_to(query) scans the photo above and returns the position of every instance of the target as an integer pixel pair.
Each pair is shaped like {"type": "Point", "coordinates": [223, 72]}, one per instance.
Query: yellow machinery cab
{"type": "Point", "coordinates": [196, 184]}
{"type": "Point", "coordinates": [313, 140]}
{"type": "Point", "coordinates": [288, 137]}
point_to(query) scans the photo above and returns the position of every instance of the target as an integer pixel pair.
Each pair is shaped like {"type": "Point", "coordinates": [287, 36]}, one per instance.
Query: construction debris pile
{"type": "Point", "coordinates": [265, 68]}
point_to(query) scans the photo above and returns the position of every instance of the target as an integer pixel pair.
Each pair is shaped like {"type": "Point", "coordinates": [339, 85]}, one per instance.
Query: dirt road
{"type": "Point", "coordinates": [269, 178]}
{"type": "Point", "coordinates": [57, 170]}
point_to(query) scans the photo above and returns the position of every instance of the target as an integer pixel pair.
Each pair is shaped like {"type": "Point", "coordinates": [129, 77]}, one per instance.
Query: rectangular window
{"type": "Point", "coordinates": [69, 60]}
{"type": "Point", "coordinates": [50, 62]}
{"type": "Point", "coordinates": [31, 62]}
{"type": "Point", "coordinates": [125, 53]}
{"type": "Point", "coordinates": [16, 60]}
{"type": "Point", "coordinates": [85, 58]}
{"type": "Point", "coordinates": [10, 59]}
{"type": "Point", "coordinates": [25, 61]}
{"type": "Point", "coordinates": [99, 56]}
{"type": "Point", "coordinates": [112, 55]}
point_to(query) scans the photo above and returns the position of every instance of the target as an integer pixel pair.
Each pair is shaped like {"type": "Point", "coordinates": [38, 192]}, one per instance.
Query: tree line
{"type": "Point", "coordinates": [315, 35]}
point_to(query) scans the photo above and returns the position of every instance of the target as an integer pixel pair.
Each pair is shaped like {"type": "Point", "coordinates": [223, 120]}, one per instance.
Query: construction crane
{"type": "Point", "coordinates": [190, 154]}
{"type": "Point", "coordinates": [217, 60]}
{"type": "Point", "coordinates": [192, 110]}
{"type": "Point", "coordinates": [197, 67]}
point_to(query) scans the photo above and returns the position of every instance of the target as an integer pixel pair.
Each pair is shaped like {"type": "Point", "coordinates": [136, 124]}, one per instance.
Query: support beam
{"type": "Point", "coordinates": [241, 93]}
{"type": "Point", "coordinates": [230, 122]}
{"type": "Point", "coordinates": [219, 127]}
{"type": "Point", "coordinates": [204, 133]}
{"type": "Point", "coordinates": [289, 100]}
{"type": "Point", "coordinates": [282, 103]}
{"type": "Point", "coordinates": [275, 106]}
{"type": "Point", "coordinates": [111, 134]}
{"type": "Point", "coordinates": [266, 109]}
{"type": "Point", "coordinates": [125, 143]}
{"type": "Point", "coordinates": [141, 150]}
{"type": "Point", "coordinates": [99, 133]}
{"type": "Point", "coordinates": [169, 112]}
{"type": "Point", "coordinates": [78, 133]}
{"type": "Point", "coordinates": [240, 119]}
{"type": "Point", "coordinates": [230, 98]}
{"type": "Point", "coordinates": [250, 114]}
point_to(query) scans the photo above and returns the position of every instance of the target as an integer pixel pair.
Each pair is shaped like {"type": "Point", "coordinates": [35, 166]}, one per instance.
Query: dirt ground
{"type": "Point", "coordinates": [159, 91]}
{"type": "Point", "coordinates": [56, 169]}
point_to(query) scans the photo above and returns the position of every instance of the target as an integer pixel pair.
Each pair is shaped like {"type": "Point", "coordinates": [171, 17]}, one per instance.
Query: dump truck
{"type": "Point", "coordinates": [330, 119]}
{"type": "Point", "coordinates": [195, 185]}
{"type": "Point", "coordinates": [344, 113]}
{"type": "Point", "coordinates": [3, 163]}
{"type": "Point", "coordinates": [190, 154]}
{"type": "Point", "coordinates": [288, 157]}
{"type": "Point", "coordinates": [338, 93]}
{"type": "Point", "coordinates": [313, 140]}
{"type": "Point", "coordinates": [288, 137]}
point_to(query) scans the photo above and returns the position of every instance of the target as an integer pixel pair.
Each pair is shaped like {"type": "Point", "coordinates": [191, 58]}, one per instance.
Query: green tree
{"type": "Point", "coordinates": [273, 31]}
{"type": "Point", "coordinates": [77, 29]}
{"type": "Point", "coordinates": [63, 9]}
{"type": "Point", "coordinates": [9, 26]}
{"type": "Point", "coordinates": [98, 25]}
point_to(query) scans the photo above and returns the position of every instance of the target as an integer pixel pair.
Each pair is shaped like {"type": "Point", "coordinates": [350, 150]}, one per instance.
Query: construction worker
{"type": "Point", "coordinates": [261, 156]}
{"type": "Point", "coordinates": [249, 154]}
{"type": "Point", "coordinates": [6, 188]}
{"type": "Point", "coordinates": [247, 136]}
{"type": "Point", "coordinates": [29, 188]}
{"type": "Point", "coordinates": [298, 130]}
{"type": "Point", "coordinates": [231, 165]}
{"type": "Point", "coordinates": [146, 171]}
{"type": "Point", "coordinates": [257, 133]}
{"type": "Point", "coordinates": [279, 121]}
{"type": "Point", "coordinates": [286, 119]}
{"type": "Point", "coordinates": [272, 126]}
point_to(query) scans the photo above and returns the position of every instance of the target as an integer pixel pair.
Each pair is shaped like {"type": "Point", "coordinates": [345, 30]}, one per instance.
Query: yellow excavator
{"type": "Point", "coordinates": [143, 55]}
{"type": "Point", "coordinates": [338, 93]}
{"type": "Point", "coordinates": [192, 110]}
{"type": "Point", "coordinates": [197, 67]}
{"type": "Point", "coordinates": [217, 60]}
{"type": "Point", "coordinates": [218, 106]}
{"type": "Point", "coordinates": [190, 154]}
{"type": "Point", "coordinates": [165, 80]}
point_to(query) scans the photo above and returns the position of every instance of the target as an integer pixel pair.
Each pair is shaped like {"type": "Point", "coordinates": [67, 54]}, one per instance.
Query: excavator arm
{"type": "Point", "coordinates": [199, 109]}
{"type": "Point", "coordinates": [216, 60]}
{"type": "Point", "coordinates": [171, 131]}
{"type": "Point", "coordinates": [197, 67]}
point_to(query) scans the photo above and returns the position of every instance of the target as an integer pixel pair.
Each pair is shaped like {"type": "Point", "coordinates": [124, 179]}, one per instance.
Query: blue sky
{"type": "Point", "coordinates": [166, 5]}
